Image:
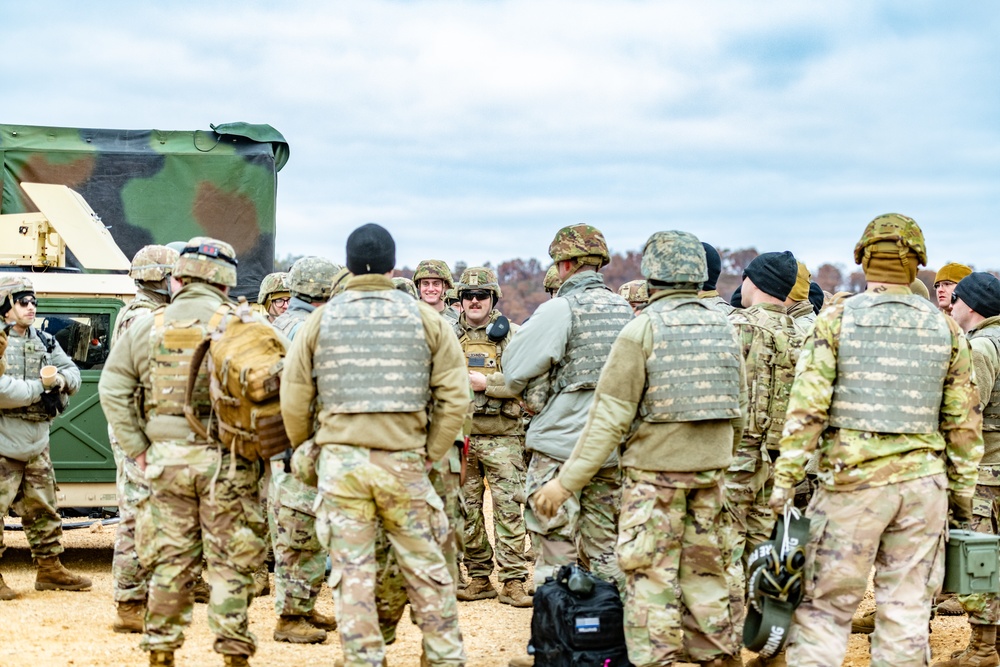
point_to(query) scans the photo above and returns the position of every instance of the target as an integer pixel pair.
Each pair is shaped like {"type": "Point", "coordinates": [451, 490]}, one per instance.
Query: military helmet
{"type": "Point", "coordinates": [273, 283]}
{"type": "Point", "coordinates": [579, 242]}
{"type": "Point", "coordinates": [11, 285]}
{"type": "Point", "coordinates": [895, 229]}
{"type": "Point", "coordinates": [451, 296]}
{"type": "Point", "coordinates": [479, 277]}
{"type": "Point", "coordinates": [433, 268]}
{"type": "Point", "coordinates": [339, 283]}
{"type": "Point", "coordinates": [552, 282]}
{"type": "Point", "coordinates": [635, 291]}
{"type": "Point", "coordinates": [674, 257]}
{"type": "Point", "coordinates": [153, 263]}
{"type": "Point", "coordinates": [209, 259]}
{"type": "Point", "coordinates": [405, 285]}
{"type": "Point", "coordinates": [313, 277]}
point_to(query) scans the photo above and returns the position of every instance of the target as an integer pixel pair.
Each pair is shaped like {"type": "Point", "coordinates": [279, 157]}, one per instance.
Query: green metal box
{"type": "Point", "coordinates": [971, 563]}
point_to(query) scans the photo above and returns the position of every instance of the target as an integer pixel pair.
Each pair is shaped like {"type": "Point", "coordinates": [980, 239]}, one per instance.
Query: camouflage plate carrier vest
{"type": "Point", "coordinates": [25, 357]}
{"type": "Point", "coordinates": [288, 322]}
{"type": "Point", "coordinates": [991, 413]}
{"type": "Point", "coordinates": [774, 351]}
{"type": "Point", "coordinates": [140, 305]}
{"type": "Point", "coordinates": [372, 354]}
{"type": "Point", "coordinates": [172, 346]}
{"type": "Point", "coordinates": [693, 373]}
{"type": "Point", "coordinates": [598, 315]}
{"type": "Point", "coordinates": [894, 353]}
{"type": "Point", "coordinates": [484, 356]}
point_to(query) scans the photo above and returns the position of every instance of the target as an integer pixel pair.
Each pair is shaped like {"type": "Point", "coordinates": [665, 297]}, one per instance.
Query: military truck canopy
{"type": "Point", "coordinates": [158, 186]}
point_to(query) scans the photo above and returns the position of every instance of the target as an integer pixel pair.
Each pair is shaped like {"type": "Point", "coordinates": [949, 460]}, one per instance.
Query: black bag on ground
{"type": "Point", "coordinates": [577, 622]}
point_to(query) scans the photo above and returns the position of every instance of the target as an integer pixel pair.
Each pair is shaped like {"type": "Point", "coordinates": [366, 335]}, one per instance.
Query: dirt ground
{"type": "Point", "coordinates": [43, 629]}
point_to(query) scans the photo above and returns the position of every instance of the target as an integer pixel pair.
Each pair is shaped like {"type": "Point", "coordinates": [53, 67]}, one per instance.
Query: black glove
{"type": "Point", "coordinates": [52, 402]}
{"type": "Point", "coordinates": [961, 510]}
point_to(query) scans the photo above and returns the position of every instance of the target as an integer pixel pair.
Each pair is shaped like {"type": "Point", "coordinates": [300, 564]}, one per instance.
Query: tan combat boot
{"type": "Point", "coordinates": [864, 624]}
{"type": "Point", "coordinates": [980, 652]}
{"type": "Point", "coordinates": [948, 605]}
{"type": "Point", "coordinates": [201, 590]}
{"type": "Point", "coordinates": [298, 630]}
{"type": "Point", "coordinates": [261, 582]}
{"type": "Point", "coordinates": [322, 621]}
{"type": "Point", "coordinates": [161, 659]}
{"type": "Point", "coordinates": [131, 616]}
{"type": "Point", "coordinates": [513, 593]}
{"type": "Point", "coordinates": [6, 592]}
{"type": "Point", "coordinates": [522, 661]}
{"type": "Point", "coordinates": [479, 588]}
{"type": "Point", "coordinates": [235, 661]}
{"type": "Point", "coordinates": [52, 576]}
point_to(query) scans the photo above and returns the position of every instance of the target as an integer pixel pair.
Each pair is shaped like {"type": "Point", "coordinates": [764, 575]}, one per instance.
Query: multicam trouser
{"type": "Point", "coordinates": [390, 587]}
{"type": "Point", "coordinates": [751, 522]}
{"type": "Point", "coordinates": [588, 518]}
{"type": "Point", "coordinates": [200, 503]}
{"type": "Point", "coordinates": [299, 558]}
{"type": "Point", "coordinates": [984, 608]}
{"type": "Point", "coordinates": [499, 459]}
{"type": "Point", "coordinates": [676, 591]}
{"type": "Point", "coordinates": [358, 487]}
{"type": "Point", "coordinates": [29, 487]}
{"type": "Point", "coordinates": [899, 528]}
{"type": "Point", "coordinates": [130, 577]}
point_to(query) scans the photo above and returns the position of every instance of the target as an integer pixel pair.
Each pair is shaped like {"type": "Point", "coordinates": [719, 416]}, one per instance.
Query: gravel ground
{"type": "Point", "coordinates": [42, 629]}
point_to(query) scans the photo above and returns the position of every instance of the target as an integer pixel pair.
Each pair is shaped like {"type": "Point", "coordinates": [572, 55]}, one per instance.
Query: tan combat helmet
{"type": "Point", "coordinates": [207, 259]}
{"type": "Point", "coordinates": [583, 243]}
{"type": "Point", "coordinates": [405, 285]}
{"type": "Point", "coordinates": [479, 278]}
{"type": "Point", "coordinates": [552, 282]}
{"type": "Point", "coordinates": [636, 292]}
{"type": "Point", "coordinates": [311, 278]}
{"type": "Point", "coordinates": [273, 286]}
{"type": "Point", "coordinates": [153, 263]}
{"type": "Point", "coordinates": [891, 232]}
{"type": "Point", "coordinates": [10, 286]}
{"type": "Point", "coordinates": [433, 268]}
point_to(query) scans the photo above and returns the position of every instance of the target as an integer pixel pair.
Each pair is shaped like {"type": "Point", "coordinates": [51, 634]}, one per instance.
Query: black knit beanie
{"type": "Point", "coordinates": [736, 300]}
{"type": "Point", "coordinates": [714, 262]}
{"type": "Point", "coordinates": [816, 297]}
{"type": "Point", "coordinates": [981, 292]}
{"type": "Point", "coordinates": [370, 249]}
{"type": "Point", "coordinates": [773, 273]}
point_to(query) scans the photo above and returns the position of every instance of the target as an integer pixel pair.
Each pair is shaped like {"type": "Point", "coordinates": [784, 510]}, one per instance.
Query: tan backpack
{"type": "Point", "coordinates": [245, 360]}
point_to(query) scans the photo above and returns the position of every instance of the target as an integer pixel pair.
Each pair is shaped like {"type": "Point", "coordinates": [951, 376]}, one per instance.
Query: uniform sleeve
{"type": "Point", "coordinates": [961, 417]}
{"type": "Point", "coordinates": [616, 401]}
{"type": "Point", "coordinates": [449, 384]}
{"type": "Point", "coordinates": [809, 402]}
{"type": "Point", "coordinates": [67, 369]}
{"type": "Point", "coordinates": [538, 345]}
{"type": "Point", "coordinates": [119, 381]}
{"type": "Point", "coordinates": [984, 360]}
{"type": "Point", "coordinates": [298, 389]}
{"type": "Point", "coordinates": [15, 393]}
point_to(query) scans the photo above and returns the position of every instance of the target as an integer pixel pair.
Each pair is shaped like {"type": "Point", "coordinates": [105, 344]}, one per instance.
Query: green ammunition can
{"type": "Point", "coordinates": [971, 563]}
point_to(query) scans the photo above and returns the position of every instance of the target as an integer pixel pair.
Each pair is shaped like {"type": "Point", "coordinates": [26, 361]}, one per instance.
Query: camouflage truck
{"type": "Point", "coordinates": [125, 190]}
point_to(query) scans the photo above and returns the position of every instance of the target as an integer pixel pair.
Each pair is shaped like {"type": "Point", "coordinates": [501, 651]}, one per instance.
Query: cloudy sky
{"type": "Point", "coordinates": [474, 130]}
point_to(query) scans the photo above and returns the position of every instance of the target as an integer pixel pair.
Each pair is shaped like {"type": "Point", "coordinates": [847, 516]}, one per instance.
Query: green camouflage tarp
{"type": "Point", "coordinates": [156, 186]}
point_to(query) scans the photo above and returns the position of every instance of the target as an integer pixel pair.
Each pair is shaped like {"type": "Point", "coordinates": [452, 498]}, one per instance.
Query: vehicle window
{"type": "Point", "coordinates": [84, 338]}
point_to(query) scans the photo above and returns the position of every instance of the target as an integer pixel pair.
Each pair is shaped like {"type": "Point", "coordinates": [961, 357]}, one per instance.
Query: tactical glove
{"type": "Point", "coordinates": [961, 509]}
{"type": "Point", "coordinates": [52, 402]}
{"type": "Point", "coordinates": [779, 498]}
{"type": "Point", "coordinates": [550, 498]}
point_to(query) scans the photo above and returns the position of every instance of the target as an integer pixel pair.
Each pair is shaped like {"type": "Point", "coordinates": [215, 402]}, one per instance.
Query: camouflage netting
{"type": "Point", "coordinates": [154, 186]}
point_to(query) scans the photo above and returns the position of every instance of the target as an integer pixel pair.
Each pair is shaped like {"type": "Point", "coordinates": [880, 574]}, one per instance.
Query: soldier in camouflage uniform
{"type": "Point", "coordinates": [945, 281]}
{"type": "Point", "coordinates": [976, 308]}
{"type": "Point", "coordinates": [708, 290]}
{"type": "Point", "coordinates": [406, 285]}
{"type": "Point", "coordinates": [496, 446]}
{"type": "Point", "coordinates": [388, 406]}
{"type": "Point", "coordinates": [679, 436]}
{"type": "Point", "coordinates": [636, 293]}
{"type": "Point", "coordinates": [453, 302]}
{"type": "Point", "coordinates": [150, 269]}
{"type": "Point", "coordinates": [565, 344]}
{"type": "Point", "coordinates": [552, 282]}
{"type": "Point", "coordinates": [769, 343]}
{"type": "Point", "coordinates": [299, 557]}
{"type": "Point", "coordinates": [892, 461]}
{"type": "Point", "coordinates": [273, 297]}
{"type": "Point", "coordinates": [27, 480]}
{"type": "Point", "coordinates": [203, 497]}
{"type": "Point", "coordinates": [433, 280]}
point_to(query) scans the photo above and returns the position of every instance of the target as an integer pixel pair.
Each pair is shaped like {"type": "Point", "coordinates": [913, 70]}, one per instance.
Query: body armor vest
{"type": "Point", "coordinates": [25, 357]}
{"type": "Point", "coordinates": [138, 306]}
{"type": "Point", "coordinates": [172, 346]}
{"type": "Point", "coordinates": [894, 353]}
{"type": "Point", "coordinates": [774, 352]}
{"type": "Point", "coordinates": [598, 315]}
{"type": "Point", "coordinates": [693, 373]}
{"type": "Point", "coordinates": [288, 322]}
{"type": "Point", "coordinates": [483, 356]}
{"type": "Point", "coordinates": [991, 413]}
{"type": "Point", "coordinates": [372, 354]}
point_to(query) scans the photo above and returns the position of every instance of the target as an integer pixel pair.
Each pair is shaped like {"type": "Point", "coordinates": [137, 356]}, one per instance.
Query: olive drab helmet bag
{"type": "Point", "coordinates": [245, 358]}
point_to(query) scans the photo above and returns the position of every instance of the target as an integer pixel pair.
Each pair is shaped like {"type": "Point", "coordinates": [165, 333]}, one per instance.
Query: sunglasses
{"type": "Point", "coordinates": [954, 297]}
{"type": "Point", "coordinates": [479, 295]}
{"type": "Point", "coordinates": [26, 301]}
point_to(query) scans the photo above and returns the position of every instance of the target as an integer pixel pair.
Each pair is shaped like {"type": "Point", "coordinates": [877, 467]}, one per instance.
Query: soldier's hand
{"type": "Point", "coordinates": [961, 509]}
{"type": "Point", "coordinates": [477, 380]}
{"type": "Point", "coordinates": [779, 498]}
{"type": "Point", "coordinates": [550, 498]}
